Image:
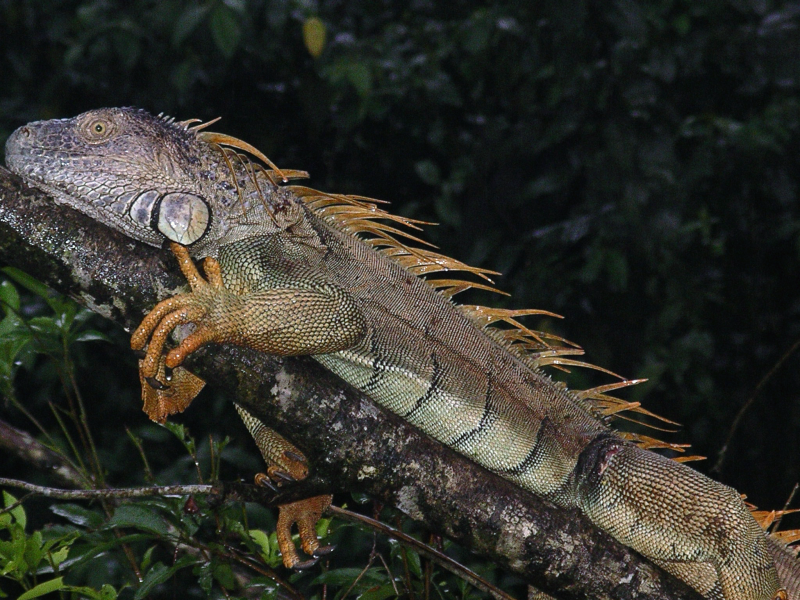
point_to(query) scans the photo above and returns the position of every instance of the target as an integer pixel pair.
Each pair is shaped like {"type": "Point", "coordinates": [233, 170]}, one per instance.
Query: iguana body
{"type": "Point", "coordinates": [287, 275]}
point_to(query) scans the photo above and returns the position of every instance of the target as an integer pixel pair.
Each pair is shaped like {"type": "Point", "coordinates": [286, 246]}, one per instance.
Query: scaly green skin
{"type": "Point", "coordinates": [293, 283]}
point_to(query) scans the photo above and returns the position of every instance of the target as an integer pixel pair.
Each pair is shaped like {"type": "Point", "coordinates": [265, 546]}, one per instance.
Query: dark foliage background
{"type": "Point", "coordinates": [632, 166]}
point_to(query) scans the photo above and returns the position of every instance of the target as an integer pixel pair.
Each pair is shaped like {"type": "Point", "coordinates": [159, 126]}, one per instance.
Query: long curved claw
{"type": "Point", "coordinates": [295, 456]}
{"type": "Point", "coordinates": [305, 564]}
{"type": "Point", "coordinates": [282, 475]}
{"type": "Point", "coordinates": [324, 550]}
{"type": "Point", "coordinates": [156, 384]}
{"type": "Point", "coordinates": [263, 480]}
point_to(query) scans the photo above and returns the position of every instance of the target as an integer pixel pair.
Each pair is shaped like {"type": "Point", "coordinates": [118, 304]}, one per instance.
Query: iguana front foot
{"type": "Point", "coordinates": [179, 310]}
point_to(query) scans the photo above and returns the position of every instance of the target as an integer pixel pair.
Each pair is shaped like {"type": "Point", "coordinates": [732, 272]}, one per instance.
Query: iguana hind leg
{"type": "Point", "coordinates": [307, 318]}
{"type": "Point", "coordinates": [286, 463]}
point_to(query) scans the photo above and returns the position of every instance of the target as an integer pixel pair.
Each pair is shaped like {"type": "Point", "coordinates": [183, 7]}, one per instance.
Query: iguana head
{"type": "Point", "coordinates": [147, 176]}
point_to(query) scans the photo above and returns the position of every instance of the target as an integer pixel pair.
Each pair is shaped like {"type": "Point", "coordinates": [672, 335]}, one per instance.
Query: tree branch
{"type": "Point", "coordinates": [23, 445]}
{"type": "Point", "coordinates": [351, 442]}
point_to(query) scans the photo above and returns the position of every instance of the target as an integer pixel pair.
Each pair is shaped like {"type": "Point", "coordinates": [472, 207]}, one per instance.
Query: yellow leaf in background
{"type": "Point", "coordinates": [314, 36]}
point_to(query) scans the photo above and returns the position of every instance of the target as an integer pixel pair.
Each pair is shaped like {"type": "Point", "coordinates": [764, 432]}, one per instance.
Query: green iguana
{"type": "Point", "coordinates": [286, 273]}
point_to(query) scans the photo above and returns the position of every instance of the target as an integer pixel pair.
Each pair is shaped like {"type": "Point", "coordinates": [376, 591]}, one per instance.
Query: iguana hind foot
{"type": "Point", "coordinates": [287, 464]}
{"type": "Point", "coordinates": [305, 513]}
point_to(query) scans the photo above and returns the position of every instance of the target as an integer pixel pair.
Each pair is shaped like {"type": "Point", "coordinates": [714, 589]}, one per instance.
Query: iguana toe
{"type": "Point", "coordinates": [305, 564]}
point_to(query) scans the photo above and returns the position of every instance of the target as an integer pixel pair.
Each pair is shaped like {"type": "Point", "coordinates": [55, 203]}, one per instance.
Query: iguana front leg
{"type": "Point", "coordinates": [310, 318]}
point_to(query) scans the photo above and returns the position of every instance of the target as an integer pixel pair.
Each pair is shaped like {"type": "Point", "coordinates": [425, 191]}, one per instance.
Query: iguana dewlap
{"type": "Point", "coordinates": [286, 274]}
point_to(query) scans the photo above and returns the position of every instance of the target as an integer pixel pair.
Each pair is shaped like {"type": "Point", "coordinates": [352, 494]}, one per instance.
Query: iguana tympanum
{"type": "Point", "coordinates": [285, 273]}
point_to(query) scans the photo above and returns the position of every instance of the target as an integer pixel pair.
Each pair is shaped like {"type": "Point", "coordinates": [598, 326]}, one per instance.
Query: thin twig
{"type": "Point", "coordinates": [431, 554]}
{"type": "Point", "coordinates": [721, 457]}
{"type": "Point", "coordinates": [142, 492]}
{"type": "Point", "coordinates": [777, 524]}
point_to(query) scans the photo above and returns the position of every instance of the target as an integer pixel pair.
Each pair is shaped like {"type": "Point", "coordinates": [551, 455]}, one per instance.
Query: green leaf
{"type": "Point", "coordinates": [224, 574]}
{"type": "Point", "coordinates": [60, 555]}
{"type": "Point", "coordinates": [261, 540]}
{"type": "Point", "coordinates": [29, 283]}
{"type": "Point", "coordinates": [159, 573]}
{"type": "Point", "coordinates": [428, 172]}
{"type": "Point", "coordinates": [176, 429]}
{"type": "Point", "coordinates": [47, 327]}
{"type": "Point", "coordinates": [360, 497]}
{"type": "Point", "coordinates": [12, 553]}
{"type": "Point", "coordinates": [414, 563]}
{"type": "Point", "coordinates": [323, 527]}
{"type": "Point", "coordinates": [46, 587]}
{"type": "Point", "coordinates": [147, 558]}
{"type": "Point", "coordinates": [682, 24]}
{"type": "Point", "coordinates": [33, 550]}
{"type": "Point", "coordinates": [359, 75]}
{"type": "Point", "coordinates": [107, 592]}
{"type": "Point", "coordinates": [347, 576]}
{"type": "Point", "coordinates": [225, 30]}
{"type": "Point", "coordinates": [91, 336]}
{"type": "Point", "coordinates": [379, 593]}
{"type": "Point", "coordinates": [17, 512]}
{"type": "Point", "coordinates": [9, 297]}
{"type": "Point", "coordinates": [205, 577]}
{"type": "Point", "coordinates": [131, 515]}
{"type": "Point", "coordinates": [267, 546]}
{"type": "Point", "coordinates": [78, 515]}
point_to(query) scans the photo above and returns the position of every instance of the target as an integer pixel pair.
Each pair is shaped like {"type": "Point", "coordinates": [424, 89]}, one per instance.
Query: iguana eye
{"type": "Point", "coordinates": [97, 130]}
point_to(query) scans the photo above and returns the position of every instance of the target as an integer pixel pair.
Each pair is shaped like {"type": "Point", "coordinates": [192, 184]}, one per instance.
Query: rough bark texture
{"type": "Point", "coordinates": [351, 443]}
